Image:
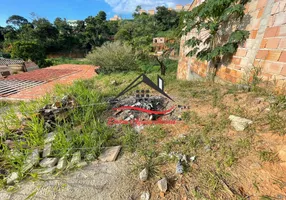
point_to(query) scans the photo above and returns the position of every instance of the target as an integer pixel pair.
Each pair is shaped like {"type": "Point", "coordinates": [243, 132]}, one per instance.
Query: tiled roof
{"type": "Point", "coordinates": [35, 84]}
{"type": "Point", "coordinates": [5, 61]}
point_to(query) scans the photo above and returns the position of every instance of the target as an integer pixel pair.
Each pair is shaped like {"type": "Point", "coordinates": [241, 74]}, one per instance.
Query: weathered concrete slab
{"type": "Point", "coordinates": [109, 154]}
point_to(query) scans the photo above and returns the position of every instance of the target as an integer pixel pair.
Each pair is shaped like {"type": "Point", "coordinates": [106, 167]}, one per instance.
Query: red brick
{"type": "Point", "coordinates": [237, 67]}
{"type": "Point", "coordinates": [236, 61]}
{"type": "Point", "coordinates": [271, 32]}
{"type": "Point", "coordinates": [273, 43]}
{"type": "Point", "coordinates": [273, 68]}
{"type": "Point", "coordinates": [262, 54]}
{"type": "Point", "coordinates": [253, 34]}
{"type": "Point", "coordinates": [241, 52]}
{"type": "Point", "coordinates": [273, 55]}
{"type": "Point", "coordinates": [283, 57]}
{"type": "Point", "coordinates": [266, 75]}
{"type": "Point", "coordinates": [282, 44]}
{"type": "Point", "coordinates": [263, 43]}
{"type": "Point", "coordinates": [283, 71]}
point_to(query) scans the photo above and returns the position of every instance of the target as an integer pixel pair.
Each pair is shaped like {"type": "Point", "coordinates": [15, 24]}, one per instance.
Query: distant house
{"type": "Point", "coordinates": [142, 11]}
{"type": "Point", "coordinates": [179, 7]}
{"type": "Point", "coordinates": [151, 12]}
{"type": "Point", "coordinates": [72, 23]}
{"type": "Point", "coordinates": [115, 18]}
{"type": "Point", "coordinates": [160, 44]}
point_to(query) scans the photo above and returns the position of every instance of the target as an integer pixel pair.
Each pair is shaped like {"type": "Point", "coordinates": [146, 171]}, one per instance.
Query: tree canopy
{"type": "Point", "coordinates": [87, 34]}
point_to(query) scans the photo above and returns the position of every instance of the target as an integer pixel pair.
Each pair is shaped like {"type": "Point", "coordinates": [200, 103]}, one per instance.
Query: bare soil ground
{"type": "Point", "coordinates": [228, 164]}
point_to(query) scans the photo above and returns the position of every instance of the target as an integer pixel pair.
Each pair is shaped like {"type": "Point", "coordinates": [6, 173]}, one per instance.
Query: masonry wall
{"type": "Point", "coordinates": [265, 47]}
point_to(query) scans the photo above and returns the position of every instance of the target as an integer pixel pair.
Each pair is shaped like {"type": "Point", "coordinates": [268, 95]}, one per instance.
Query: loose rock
{"type": "Point", "coordinates": [110, 154]}
{"type": "Point", "coordinates": [89, 157]}
{"type": "Point", "coordinates": [282, 154]}
{"type": "Point", "coordinates": [179, 168]}
{"type": "Point", "coordinates": [239, 123]}
{"type": "Point", "coordinates": [45, 171]}
{"type": "Point", "coordinates": [145, 196]}
{"type": "Point", "coordinates": [32, 160]}
{"type": "Point", "coordinates": [48, 162]}
{"type": "Point", "coordinates": [12, 178]}
{"type": "Point", "coordinates": [76, 157]}
{"type": "Point", "coordinates": [81, 164]}
{"type": "Point", "coordinates": [163, 185]}
{"type": "Point", "coordinates": [47, 150]}
{"type": "Point", "coordinates": [143, 175]}
{"type": "Point", "coordinates": [62, 163]}
{"type": "Point", "coordinates": [50, 137]}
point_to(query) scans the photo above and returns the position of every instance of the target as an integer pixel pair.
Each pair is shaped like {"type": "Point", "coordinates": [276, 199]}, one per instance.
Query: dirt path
{"type": "Point", "coordinates": [100, 181]}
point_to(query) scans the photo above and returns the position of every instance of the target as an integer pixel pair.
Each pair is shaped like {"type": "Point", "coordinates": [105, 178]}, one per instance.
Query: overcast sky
{"type": "Point", "coordinates": [77, 9]}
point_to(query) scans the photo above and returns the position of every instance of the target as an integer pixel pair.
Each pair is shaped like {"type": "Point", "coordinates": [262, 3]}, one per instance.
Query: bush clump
{"type": "Point", "coordinates": [113, 57]}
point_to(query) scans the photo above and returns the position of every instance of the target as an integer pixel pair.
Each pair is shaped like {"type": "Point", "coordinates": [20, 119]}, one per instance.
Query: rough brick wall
{"type": "Point", "coordinates": [265, 47]}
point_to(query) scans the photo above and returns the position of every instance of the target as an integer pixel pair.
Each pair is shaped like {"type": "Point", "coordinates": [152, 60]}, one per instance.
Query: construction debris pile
{"type": "Point", "coordinates": [143, 107]}
{"type": "Point", "coordinates": [52, 114]}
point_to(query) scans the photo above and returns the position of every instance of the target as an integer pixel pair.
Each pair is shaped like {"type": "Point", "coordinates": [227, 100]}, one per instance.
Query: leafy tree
{"type": "Point", "coordinates": [26, 32]}
{"type": "Point", "coordinates": [28, 51]}
{"type": "Point", "coordinates": [101, 16]}
{"type": "Point", "coordinates": [96, 30]}
{"type": "Point", "coordinates": [212, 19]}
{"type": "Point", "coordinates": [46, 34]}
{"type": "Point", "coordinates": [44, 30]}
{"type": "Point", "coordinates": [113, 57]}
{"type": "Point", "coordinates": [166, 19]}
{"type": "Point", "coordinates": [1, 34]}
{"type": "Point", "coordinates": [17, 21]}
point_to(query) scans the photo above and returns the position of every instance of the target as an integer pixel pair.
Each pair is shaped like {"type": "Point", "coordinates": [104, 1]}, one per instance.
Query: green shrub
{"type": "Point", "coordinates": [113, 57]}
{"type": "Point", "coordinates": [28, 51]}
{"type": "Point", "coordinates": [64, 60]}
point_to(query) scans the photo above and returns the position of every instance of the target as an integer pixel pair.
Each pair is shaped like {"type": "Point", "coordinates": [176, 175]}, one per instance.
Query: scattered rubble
{"type": "Point", "coordinates": [193, 158]}
{"type": "Point", "coordinates": [89, 157]}
{"type": "Point", "coordinates": [12, 178]}
{"type": "Point", "coordinates": [145, 196]}
{"type": "Point", "coordinates": [76, 157]}
{"type": "Point", "coordinates": [239, 124]}
{"type": "Point", "coordinates": [50, 137]}
{"type": "Point", "coordinates": [144, 175]}
{"type": "Point", "coordinates": [179, 168]}
{"type": "Point", "coordinates": [47, 150]}
{"type": "Point", "coordinates": [81, 164]}
{"type": "Point", "coordinates": [44, 170]}
{"type": "Point", "coordinates": [62, 163]}
{"type": "Point", "coordinates": [48, 162]}
{"type": "Point", "coordinates": [109, 154]}
{"type": "Point", "coordinates": [32, 160]}
{"type": "Point", "coordinates": [163, 185]}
